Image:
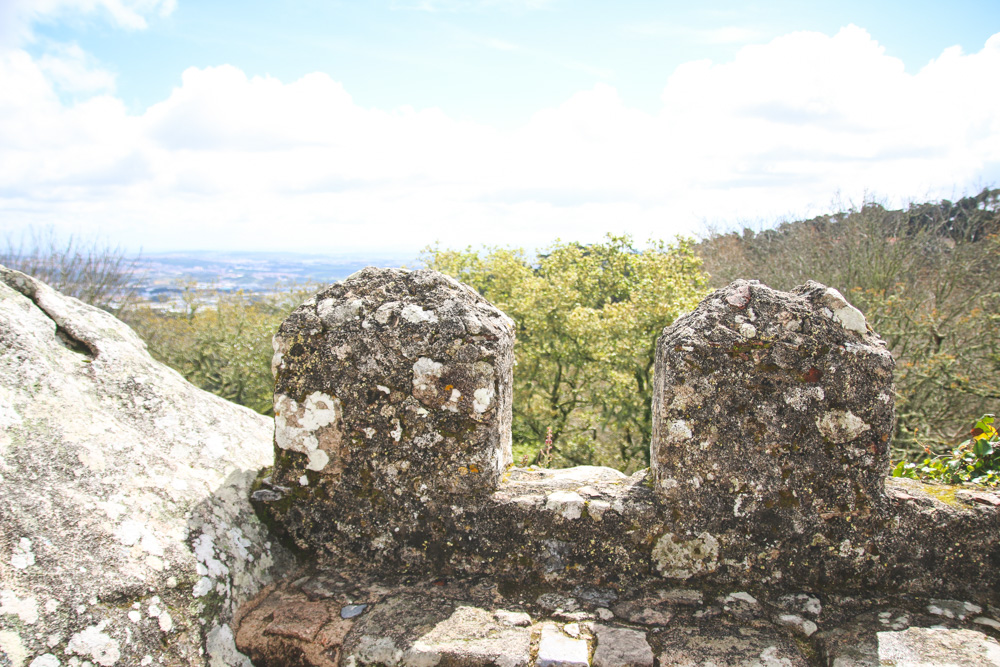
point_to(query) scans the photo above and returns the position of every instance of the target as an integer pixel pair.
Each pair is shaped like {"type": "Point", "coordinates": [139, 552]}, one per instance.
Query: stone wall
{"type": "Point", "coordinates": [772, 417]}
{"type": "Point", "coordinates": [767, 492]}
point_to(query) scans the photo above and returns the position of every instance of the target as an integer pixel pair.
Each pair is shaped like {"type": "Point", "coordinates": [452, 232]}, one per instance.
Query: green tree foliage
{"type": "Point", "coordinates": [587, 322]}
{"type": "Point", "coordinates": [926, 277]}
{"type": "Point", "coordinates": [221, 342]}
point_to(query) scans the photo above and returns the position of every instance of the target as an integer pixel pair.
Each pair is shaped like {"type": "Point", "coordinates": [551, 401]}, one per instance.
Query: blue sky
{"type": "Point", "coordinates": [351, 126]}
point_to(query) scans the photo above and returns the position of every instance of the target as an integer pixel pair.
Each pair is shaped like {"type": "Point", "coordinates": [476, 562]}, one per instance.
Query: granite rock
{"type": "Point", "coordinates": [126, 535]}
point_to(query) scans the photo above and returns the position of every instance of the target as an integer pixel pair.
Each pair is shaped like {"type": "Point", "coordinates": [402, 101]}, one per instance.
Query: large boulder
{"type": "Point", "coordinates": [126, 536]}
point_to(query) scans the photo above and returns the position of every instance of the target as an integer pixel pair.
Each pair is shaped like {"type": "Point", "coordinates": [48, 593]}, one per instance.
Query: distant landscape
{"type": "Point", "coordinates": [161, 277]}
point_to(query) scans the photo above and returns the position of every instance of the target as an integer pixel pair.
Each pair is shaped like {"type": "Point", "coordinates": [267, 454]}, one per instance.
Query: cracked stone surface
{"type": "Point", "coordinates": [125, 529]}
{"type": "Point", "coordinates": [476, 621]}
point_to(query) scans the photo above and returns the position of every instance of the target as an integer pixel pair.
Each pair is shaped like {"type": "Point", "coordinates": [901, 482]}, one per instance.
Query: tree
{"type": "Point", "coordinates": [94, 272]}
{"type": "Point", "coordinates": [221, 342]}
{"type": "Point", "coordinates": [926, 278]}
{"type": "Point", "coordinates": [587, 318]}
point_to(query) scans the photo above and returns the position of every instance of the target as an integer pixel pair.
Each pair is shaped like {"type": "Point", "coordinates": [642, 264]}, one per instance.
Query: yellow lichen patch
{"type": "Point", "coordinates": [943, 492]}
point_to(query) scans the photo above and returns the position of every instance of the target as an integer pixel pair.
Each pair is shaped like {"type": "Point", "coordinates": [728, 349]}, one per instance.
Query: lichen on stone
{"type": "Point", "coordinates": [679, 558]}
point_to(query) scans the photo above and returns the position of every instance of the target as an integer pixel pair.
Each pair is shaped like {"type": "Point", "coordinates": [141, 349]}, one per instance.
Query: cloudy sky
{"type": "Point", "coordinates": [364, 125]}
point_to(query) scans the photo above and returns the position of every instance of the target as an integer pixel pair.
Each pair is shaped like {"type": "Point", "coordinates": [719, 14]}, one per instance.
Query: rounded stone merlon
{"type": "Point", "coordinates": [798, 395]}
{"type": "Point", "coordinates": [396, 385]}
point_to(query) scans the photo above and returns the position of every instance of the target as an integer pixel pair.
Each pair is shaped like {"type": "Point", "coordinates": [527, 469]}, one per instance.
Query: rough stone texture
{"type": "Point", "coordinates": [769, 454]}
{"type": "Point", "coordinates": [771, 408]}
{"type": "Point", "coordinates": [126, 537]}
{"type": "Point", "coordinates": [392, 395]}
{"type": "Point", "coordinates": [734, 647]}
{"type": "Point", "coordinates": [557, 648]}
{"type": "Point", "coordinates": [760, 543]}
{"type": "Point", "coordinates": [382, 464]}
{"type": "Point", "coordinates": [622, 647]}
{"type": "Point", "coordinates": [938, 647]}
{"type": "Point", "coordinates": [474, 636]}
{"type": "Point", "coordinates": [474, 621]}
{"type": "Point", "coordinates": [772, 414]}
{"type": "Point", "coordinates": [423, 623]}
{"type": "Point", "coordinates": [896, 636]}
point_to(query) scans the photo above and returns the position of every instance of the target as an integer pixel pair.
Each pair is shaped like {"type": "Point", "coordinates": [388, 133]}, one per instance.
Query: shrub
{"type": "Point", "coordinates": [976, 460]}
{"type": "Point", "coordinates": [222, 341]}
{"type": "Point", "coordinates": [92, 271]}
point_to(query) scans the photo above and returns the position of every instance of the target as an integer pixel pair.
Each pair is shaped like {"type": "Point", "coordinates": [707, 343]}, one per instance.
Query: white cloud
{"type": "Point", "coordinates": [17, 16]}
{"type": "Point", "coordinates": [234, 161]}
{"type": "Point", "coordinates": [75, 71]}
{"type": "Point", "coordinates": [838, 111]}
{"type": "Point", "coordinates": [469, 5]}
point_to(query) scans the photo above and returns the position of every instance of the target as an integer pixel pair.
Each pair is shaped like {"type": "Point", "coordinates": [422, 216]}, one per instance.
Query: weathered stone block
{"type": "Point", "coordinates": [731, 646]}
{"type": "Point", "coordinates": [392, 388]}
{"type": "Point", "coordinates": [772, 410]}
{"type": "Point", "coordinates": [938, 646]}
{"type": "Point", "coordinates": [621, 647]}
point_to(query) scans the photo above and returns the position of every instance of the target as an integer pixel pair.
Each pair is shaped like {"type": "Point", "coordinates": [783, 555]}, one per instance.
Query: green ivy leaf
{"type": "Point", "coordinates": [982, 448]}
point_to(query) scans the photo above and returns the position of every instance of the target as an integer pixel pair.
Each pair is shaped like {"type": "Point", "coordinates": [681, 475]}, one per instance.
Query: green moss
{"type": "Point", "coordinates": [457, 435]}
{"type": "Point", "coordinates": [943, 492]}
{"type": "Point", "coordinates": [787, 499]}
{"type": "Point", "coordinates": [208, 606]}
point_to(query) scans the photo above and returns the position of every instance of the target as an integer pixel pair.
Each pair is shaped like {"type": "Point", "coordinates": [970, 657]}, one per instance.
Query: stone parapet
{"type": "Point", "coordinates": [772, 415]}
